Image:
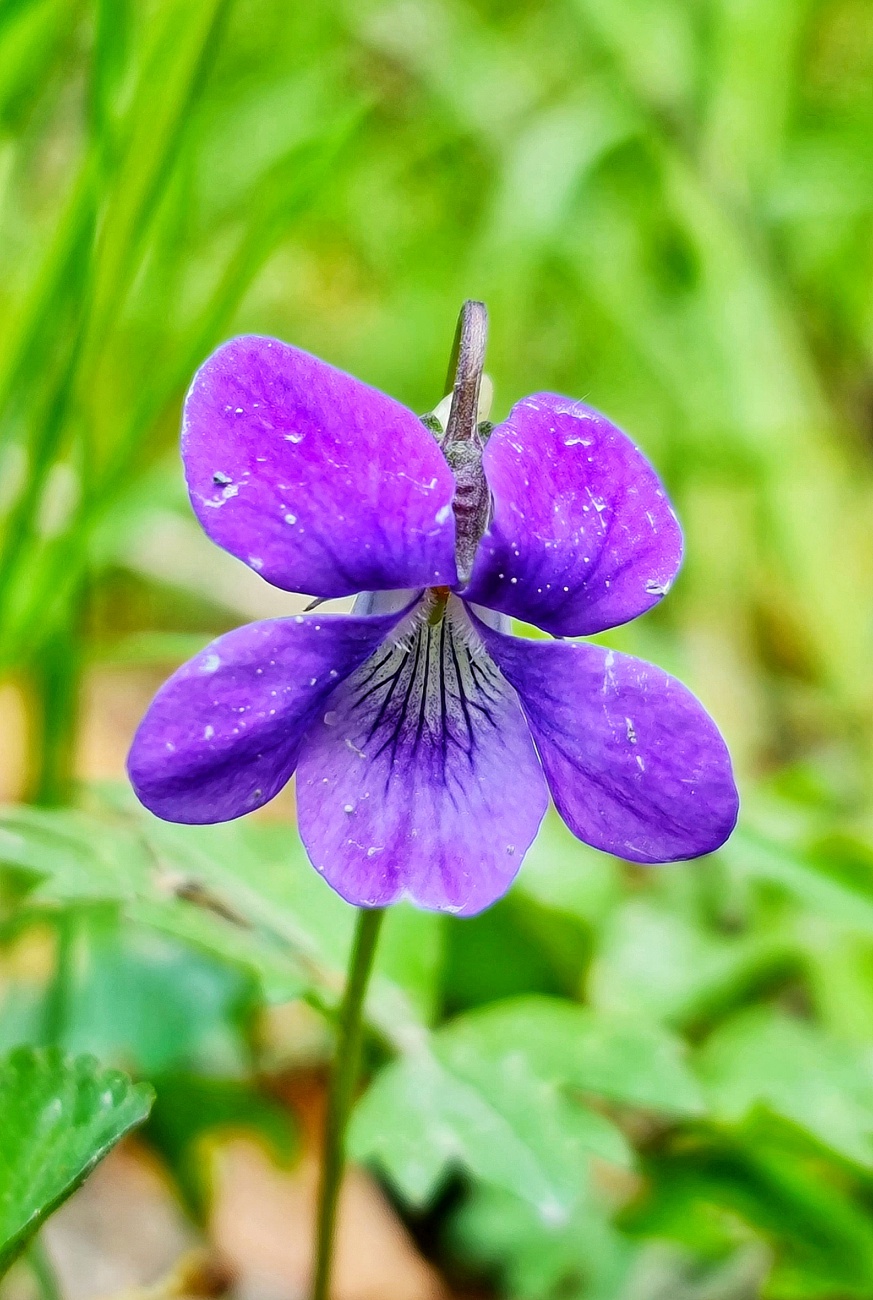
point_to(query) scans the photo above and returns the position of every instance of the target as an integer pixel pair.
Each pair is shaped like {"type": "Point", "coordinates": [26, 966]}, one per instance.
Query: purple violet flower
{"type": "Point", "coordinates": [426, 738]}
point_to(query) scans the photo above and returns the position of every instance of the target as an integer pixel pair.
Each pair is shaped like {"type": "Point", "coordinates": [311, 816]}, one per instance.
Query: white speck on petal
{"type": "Point", "coordinates": [208, 733]}
{"type": "Point", "coordinates": [210, 663]}
{"type": "Point", "coordinates": [290, 519]}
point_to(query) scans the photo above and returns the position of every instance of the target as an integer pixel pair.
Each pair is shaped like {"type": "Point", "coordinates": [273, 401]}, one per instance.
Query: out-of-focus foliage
{"type": "Point", "coordinates": [617, 1084]}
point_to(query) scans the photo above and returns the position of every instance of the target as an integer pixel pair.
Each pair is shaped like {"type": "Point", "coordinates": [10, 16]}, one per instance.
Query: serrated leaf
{"type": "Point", "coordinates": [58, 1118]}
{"type": "Point", "coordinates": [491, 1094]}
{"type": "Point", "coordinates": [429, 1113]}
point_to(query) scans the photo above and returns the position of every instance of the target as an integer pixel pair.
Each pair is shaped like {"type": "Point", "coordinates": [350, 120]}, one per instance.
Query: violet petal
{"type": "Point", "coordinates": [223, 734]}
{"type": "Point", "coordinates": [317, 481]}
{"type": "Point", "coordinates": [635, 764]}
{"type": "Point", "coordinates": [582, 536]}
{"type": "Point", "coordinates": [421, 780]}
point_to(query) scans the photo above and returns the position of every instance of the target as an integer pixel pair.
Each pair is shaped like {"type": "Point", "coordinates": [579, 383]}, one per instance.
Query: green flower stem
{"type": "Point", "coordinates": [343, 1077]}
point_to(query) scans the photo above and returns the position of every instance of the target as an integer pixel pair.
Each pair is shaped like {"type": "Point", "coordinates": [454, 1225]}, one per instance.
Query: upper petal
{"type": "Point", "coordinates": [582, 536]}
{"type": "Point", "coordinates": [319, 482]}
{"type": "Point", "coordinates": [635, 764]}
{"type": "Point", "coordinates": [421, 780]}
{"type": "Point", "coordinates": [223, 734]}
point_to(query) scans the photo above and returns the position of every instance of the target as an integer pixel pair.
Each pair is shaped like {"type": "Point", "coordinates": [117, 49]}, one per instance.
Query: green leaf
{"type": "Point", "coordinates": [549, 951]}
{"type": "Point", "coordinates": [582, 1258]}
{"type": "Point", "coordinates": [496, 1093]}
{"type": "Point", "coordinates": [243, 891]}
{"type": "Point", "coordinates": [432, 1112]}
{"type": "Point", "coordinates": [762, 1058]}
{"type": "Point", "coordinates": [654, 961]}
{"type": "Point", "coordinates": [803, 877]}
{"type": "Point", "coordinates": [624, 1059]}
{"type": "Point", "coordinates": [129, 996]}
{"type": "Point", "coordinates": [58, 1118]}
{"type": "Point", "coordinates": [770, 1184]}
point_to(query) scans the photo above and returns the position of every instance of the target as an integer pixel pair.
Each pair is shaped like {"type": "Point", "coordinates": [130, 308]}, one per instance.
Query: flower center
{"type": "Point", "coordinates": [435, 607]}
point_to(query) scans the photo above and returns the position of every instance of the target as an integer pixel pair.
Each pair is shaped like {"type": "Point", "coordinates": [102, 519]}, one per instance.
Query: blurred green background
{"type": "Point", "coordinates": [668, 207]}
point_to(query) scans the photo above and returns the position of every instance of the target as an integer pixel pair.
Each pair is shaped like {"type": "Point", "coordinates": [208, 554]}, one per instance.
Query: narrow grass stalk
{"type": "Point", "coordinates": [343, 1077]}
{"type": "Point", "coordinates": [42, 1272]}
{"type": "Point", "coordinates": [56, 676]}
